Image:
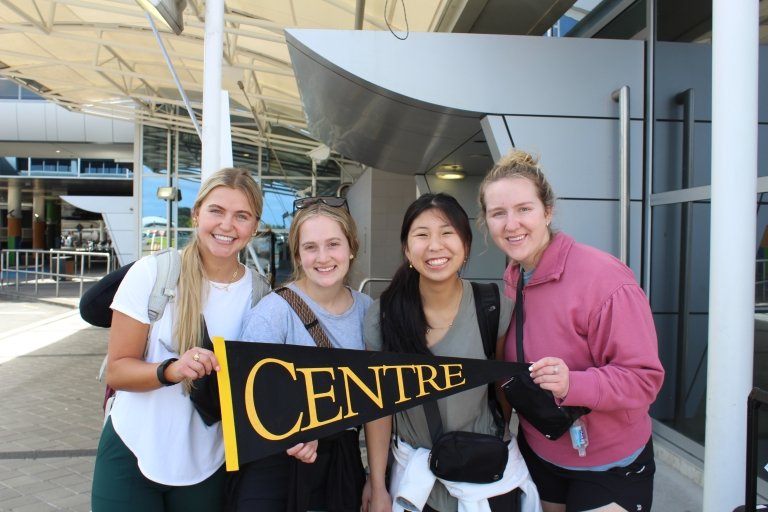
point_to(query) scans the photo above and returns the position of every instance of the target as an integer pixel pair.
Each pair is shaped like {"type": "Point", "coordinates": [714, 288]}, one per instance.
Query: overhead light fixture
{"type": "Point", "coordinates": [167, 12]}
{"type": "Point", "coordinates": [450, 172]}
{"type": "Point", "coordinates": [320, 154]}
{"type": "Point", "coordinates": [169, 193]}
{"type": "Point", "coordinates": [450, 175]}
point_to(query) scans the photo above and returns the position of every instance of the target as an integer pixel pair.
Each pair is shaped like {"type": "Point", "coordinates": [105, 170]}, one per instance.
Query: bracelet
{"type": "Point", "coordinates": [161, 371]}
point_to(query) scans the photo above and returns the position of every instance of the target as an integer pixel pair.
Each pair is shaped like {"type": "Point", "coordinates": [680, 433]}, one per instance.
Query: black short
{"type": "Point", "coordinates": [509, 502]}
{"type": "Point", "coordinates": [631, 486]}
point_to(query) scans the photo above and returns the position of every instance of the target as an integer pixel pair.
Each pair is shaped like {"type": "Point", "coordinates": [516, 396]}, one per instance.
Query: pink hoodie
{"type": "Point", "coordinates": [585, 306]}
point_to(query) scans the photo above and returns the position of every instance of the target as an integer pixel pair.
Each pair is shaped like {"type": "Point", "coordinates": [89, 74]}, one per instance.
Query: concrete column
{"type": "Point", "coordinates": [38, 219]}
{"type": "Point", "coordinates": [53, 224]}
{"type": "Point", "coordinates": [212, 61]}
{"type": "Point", "coordinates": [14, 217]}
{"type": "Point", "coordinates": [732, 250]}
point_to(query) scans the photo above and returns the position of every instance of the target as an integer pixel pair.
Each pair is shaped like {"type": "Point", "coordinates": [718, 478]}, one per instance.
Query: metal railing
{"type": "Point", "coordinates": [33, 268]}
{"type": "Point", "coordinates": [368, 280]}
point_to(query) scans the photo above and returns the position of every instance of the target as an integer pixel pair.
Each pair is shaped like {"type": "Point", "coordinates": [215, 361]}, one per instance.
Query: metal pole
{"type": "Point", "coordinates": [172, 69]}
{"type": "Point", "coordinates": [622, 97]}
{"type": "Point", "coordinates": [684, 281]}
{"type": "Point", "coordinates": [212, 61]}
{"type": "Point", "coordinates": [359, 14]}
{"type": "Point", "coordinates": [732, 250]}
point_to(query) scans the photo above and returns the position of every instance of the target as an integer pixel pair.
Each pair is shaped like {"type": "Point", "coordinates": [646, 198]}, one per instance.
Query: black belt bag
{"type": "Point", "coordinates": [538, 405]}
{"type": "Point", "coordinates": [469, 457]}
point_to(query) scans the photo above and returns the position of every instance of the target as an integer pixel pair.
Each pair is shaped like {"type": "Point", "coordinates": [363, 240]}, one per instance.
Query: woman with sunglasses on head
{"type": "Point", "coordinates": [156, 453]}
{"type": "Point", "coordinates": [327, 474]}
{"type": "Point", "coordinates": [429, 309]}
{"type": "Point", "coordinates": [587, 328]}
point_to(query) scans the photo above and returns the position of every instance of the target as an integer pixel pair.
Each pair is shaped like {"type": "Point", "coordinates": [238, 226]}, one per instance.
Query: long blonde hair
{"type": "Point", "coordinates": [517, 164]}
{"type": "Point", "coordinates": [191, 294]}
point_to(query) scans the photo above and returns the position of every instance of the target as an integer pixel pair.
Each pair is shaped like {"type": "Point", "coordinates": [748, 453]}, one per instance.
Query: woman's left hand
{"type": "Point", "coordinates": [305, 452]}
{"type": "Point", "coordinates": [551, 373]}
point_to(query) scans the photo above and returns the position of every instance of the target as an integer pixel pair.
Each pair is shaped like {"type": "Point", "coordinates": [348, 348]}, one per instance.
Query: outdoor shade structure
{"type": "Point", "coordinates": [168, 12]}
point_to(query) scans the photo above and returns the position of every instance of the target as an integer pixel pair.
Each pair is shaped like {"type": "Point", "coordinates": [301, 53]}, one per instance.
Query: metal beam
{"type": "Point", "coordinates": [39, 23]}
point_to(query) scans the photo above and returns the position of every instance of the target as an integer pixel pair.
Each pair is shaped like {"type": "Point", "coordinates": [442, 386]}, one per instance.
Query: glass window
{"type": "Point", "coordinates": [284, 177]}
{"type": "Point", "coordinates": [278, 201]}
{"type": "Point", "coordinates": [8, 90]}
{"type": "Point", "coordinates": [680, 304]}
{"type": "Point", "coordinates": [27, 94]}
{"type": "Point", "coordinates": [9, 165]}
{"type": "Point", "coordinates": [53, 166]}
{"type": "Point", "coordinates": [155, 150]}
{"type": "Point", "coordinates": [105, 168]}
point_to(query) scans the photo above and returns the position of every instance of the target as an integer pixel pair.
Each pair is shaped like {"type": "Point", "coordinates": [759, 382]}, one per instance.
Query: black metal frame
{"type": "Point", "coordinates": [757, 399]}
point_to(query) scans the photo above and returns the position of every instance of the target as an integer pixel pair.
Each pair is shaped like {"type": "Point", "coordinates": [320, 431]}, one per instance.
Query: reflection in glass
{"type": "Point", "coordinates": [155, 150]}
{"type": "Point", "coordinates": [680, 304]}
{"type": "Point", "coordinates": [284, 176]}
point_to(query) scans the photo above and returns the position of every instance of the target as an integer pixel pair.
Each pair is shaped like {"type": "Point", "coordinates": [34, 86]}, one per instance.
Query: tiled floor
{"type": "Point", "coordinates": [51, 413]}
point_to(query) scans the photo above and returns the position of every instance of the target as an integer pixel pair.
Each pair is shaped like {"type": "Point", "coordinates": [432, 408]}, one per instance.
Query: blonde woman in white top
{"type": "Point", "coordinates": [156, 454]}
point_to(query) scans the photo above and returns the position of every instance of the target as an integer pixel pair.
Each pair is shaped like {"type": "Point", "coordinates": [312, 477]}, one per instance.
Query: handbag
{"type": "Point", "coordinates": [469, 457]}
{"type": "Point", "coordinates": [533, 403]}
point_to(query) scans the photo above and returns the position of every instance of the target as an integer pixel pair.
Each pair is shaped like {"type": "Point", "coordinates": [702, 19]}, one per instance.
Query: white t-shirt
{"type": "Point", "coordinates": [161, 427]}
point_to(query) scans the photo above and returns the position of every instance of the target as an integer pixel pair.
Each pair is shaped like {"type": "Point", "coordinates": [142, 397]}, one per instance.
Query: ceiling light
{"type": "Point", "coordinates": [450, 175]}
{"type": "Point", "coordinates": [167, 12]}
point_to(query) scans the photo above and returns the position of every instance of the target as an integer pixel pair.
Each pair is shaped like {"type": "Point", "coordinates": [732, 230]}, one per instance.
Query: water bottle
{"type": "Point", "coordinates": [579, 439]}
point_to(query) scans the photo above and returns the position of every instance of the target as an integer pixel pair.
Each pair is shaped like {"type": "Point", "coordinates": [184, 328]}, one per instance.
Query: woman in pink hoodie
{"type": "Point", "coordinates": [589, 334]}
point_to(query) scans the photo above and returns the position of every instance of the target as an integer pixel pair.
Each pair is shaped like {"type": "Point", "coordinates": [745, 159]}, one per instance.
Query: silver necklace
{"type": "Point", "coordinates": [430, 329]}
{"type": "Point", "coordinates": [225, 287]}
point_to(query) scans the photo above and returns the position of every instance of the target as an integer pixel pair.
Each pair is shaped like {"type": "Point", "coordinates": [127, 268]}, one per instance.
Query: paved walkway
{"type": "Point", "coordinates": [50, 403]}
{"type": "Point", "coordinates": [51, 411]}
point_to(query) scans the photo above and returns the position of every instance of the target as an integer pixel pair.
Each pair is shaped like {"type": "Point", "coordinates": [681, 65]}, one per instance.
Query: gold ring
{"type": "Point", "coordinates": [196, 357]}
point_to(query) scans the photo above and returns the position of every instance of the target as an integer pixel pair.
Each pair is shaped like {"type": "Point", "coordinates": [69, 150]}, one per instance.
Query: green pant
{"type": "Point", "coordinates": [119, 486]}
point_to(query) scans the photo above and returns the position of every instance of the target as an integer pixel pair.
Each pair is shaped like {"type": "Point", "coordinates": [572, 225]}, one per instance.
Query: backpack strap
{"type": "Point", "coordinates": [488, 307]}
{"type": "Point", "coordinates": [305, 314]}
{"type": "Point", "coordinates": [164, 289]}
{"type": "Point", "coordinates": [487, 303]}
{"type": "Point", "coordinates": [260, 287]}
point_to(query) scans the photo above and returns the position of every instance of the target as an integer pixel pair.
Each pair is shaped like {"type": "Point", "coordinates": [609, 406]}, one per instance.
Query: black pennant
{"type": "Point", "coordinates": [274, 396]}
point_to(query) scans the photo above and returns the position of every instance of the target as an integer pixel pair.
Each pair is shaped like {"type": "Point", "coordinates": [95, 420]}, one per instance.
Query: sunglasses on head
{"type": "Point", "coordinates": [332, 201]}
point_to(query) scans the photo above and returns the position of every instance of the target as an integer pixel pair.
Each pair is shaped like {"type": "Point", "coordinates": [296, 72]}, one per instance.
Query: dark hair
{"type": "Point", "coordinates": [401, 316]}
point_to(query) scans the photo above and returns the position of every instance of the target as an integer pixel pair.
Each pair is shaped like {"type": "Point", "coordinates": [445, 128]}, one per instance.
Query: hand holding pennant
{"type": "Point", "coordinates": [274, 396]}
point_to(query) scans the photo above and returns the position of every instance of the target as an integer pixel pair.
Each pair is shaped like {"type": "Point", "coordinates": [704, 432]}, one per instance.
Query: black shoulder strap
{"type": "Point", "coordinates": [487, 303]}
{"type": "Point", "coordinates": [488, 306]}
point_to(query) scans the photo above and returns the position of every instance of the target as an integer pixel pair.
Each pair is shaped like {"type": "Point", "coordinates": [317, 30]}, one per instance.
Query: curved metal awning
{"type": "Point", "coordinates": [101, 56]}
